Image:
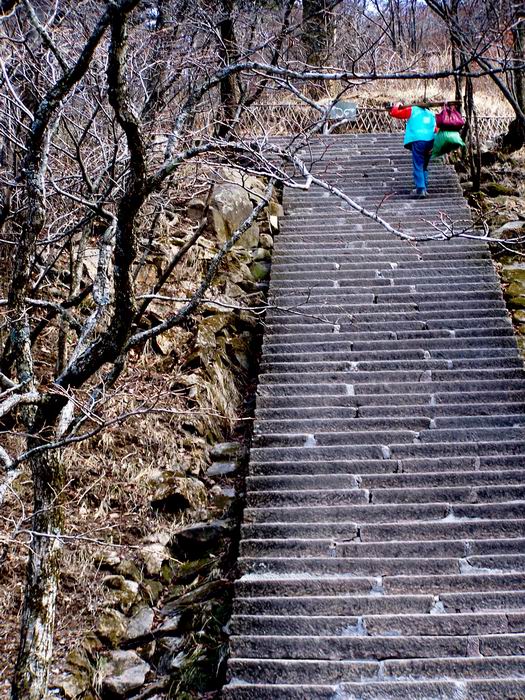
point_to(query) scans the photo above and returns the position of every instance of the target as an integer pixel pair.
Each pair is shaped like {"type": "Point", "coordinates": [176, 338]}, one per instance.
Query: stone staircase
{"type": "Point", "coordinates": [382, 550]}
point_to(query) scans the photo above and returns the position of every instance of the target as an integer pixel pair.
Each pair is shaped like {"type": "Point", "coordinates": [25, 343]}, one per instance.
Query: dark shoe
{"type": "Point", "coordinates": [421, 194]}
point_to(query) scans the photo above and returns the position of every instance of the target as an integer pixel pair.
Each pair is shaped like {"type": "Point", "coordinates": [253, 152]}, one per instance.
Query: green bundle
{"type": "Point", "coordinates": [445, 142]}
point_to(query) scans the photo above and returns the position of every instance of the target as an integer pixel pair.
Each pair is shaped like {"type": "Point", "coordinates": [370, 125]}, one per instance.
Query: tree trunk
{"type": "Point", "coordinates": [518, 50]}
{"type": "Point", "coordinates": [473, 146]}
{"type": "Point", "coordinates": [514, 139]}
{"type": "Point", "coordinates": [43, 571]}
{"type": "Point", "coordinates": [318, 35]}
{"type": "Point", "coordinates": [318, 31]}
{"type": "Point", "coordinates": [228, 87]}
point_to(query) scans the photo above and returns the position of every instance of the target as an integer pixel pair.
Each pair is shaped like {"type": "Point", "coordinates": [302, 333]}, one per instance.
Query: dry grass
{"type": "Point", "coordinates": [193, 379]}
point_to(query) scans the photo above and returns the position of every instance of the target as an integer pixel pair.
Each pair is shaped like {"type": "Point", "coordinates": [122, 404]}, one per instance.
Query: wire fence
{"type": "Point", "coordinates": [287, 119]}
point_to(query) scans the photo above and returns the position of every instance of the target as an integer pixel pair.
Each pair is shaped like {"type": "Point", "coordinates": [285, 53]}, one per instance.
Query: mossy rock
{"type": "Point", "coordinates": [260, 270]}
{"type": "Point", "coordinates": [185, 572]}
{"type": "Point", "coordinates": [516, 302]}
{"type": "Point", "coordinates": [152, 590]}
{"type": "Point", "coordinates": [112, 627]}
{"type": "Point", "coordinates": [498, 189]}
{"type": "Point", "coordinates": [129, 570]}
{"type": "Point", "coordinates": [514, 275]}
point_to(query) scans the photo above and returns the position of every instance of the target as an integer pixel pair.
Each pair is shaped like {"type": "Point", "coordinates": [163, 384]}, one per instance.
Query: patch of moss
{"type": "Point", "coordinates": [497, 189]}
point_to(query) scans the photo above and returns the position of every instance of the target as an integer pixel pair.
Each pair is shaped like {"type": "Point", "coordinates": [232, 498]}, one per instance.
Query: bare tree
{"type": "Point", "coordinates": [479, 34]}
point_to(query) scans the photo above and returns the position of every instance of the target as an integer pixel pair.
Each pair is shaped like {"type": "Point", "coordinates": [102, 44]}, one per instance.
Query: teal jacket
{"type": "Point", "coordinates": [421, 126]}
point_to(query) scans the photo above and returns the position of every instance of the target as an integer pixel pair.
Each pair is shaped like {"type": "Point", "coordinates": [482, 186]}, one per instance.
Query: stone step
{"type": "Point", "coordinates": [468, 553]}
{"type": "Point", "coordinates": [348, 364]}
{"type": "Point", "coordinates": [376, 349]}
{"type": "Point", "coordinates": [320, 263]}
{"type": "Point", "coordinates": [389, 453]}
{"type": "Point", "coordinates": [350, 259]}
{"type": "Point", "coordinates": [326, 565]}
{"type": "Point", "coordinates": [406, 315]}
{"type": "Point", "coordinates": [400, 440]}
{"type": "Point", "coordinates": [373, 404]}
{"type": "Point", "coordinates": [385, 531]}
{"type": "Point", "coordinates": [337, 353]}
{"type": "Point", "coordinates": [371, 393]}
{"type": "Point", "coordinates": [378, 480]}
{"type": "Point", "coordinates": [354, 567]}
{"type": "Point", "coordinates": [470, 412]}
{"type": "Point", "coordinates": [455, 247]}
{"type": "Point", "coordinates": [468, 328]}
{"type": "Point", "coordinates": [396, 183]}
{"type": "Point", "coordinates": [336, 671]}
{"type": "Point", "coordinates": [364, 648]}
{"type": "Point", "coordinates": [437, 585]}
{"type": "Point", "coordinates": [410, 294]}
{"type": "Point", "coordinates": [408, 469]}
{"type": "Point", "coordinates": [382, 289]}
{"type": "Point", "coordinates": [445, 494]}
{"type": "Point", "coordinates": [347, 276]}
{"type": "Point", "coordinates": [362, 432]}
{"type": "Point", "coordinates": [351, 605]}
{"type": "Point", "coordinates": [337, 305]}
{"type": "Point", "coordinates": [483, 623]}
{"type": "Point", "coordinates": [338, 214]}
{"type": "Point", "coordinates": [403, 513]}
{"type": "Point", "coordinates": [420, 375]}
{"type": "Point", "coordinates": [490, 689]}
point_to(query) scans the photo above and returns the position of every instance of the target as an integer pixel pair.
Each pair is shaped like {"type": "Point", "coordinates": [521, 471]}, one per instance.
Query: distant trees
{"type": "Point", "coordinates": [490, 35]}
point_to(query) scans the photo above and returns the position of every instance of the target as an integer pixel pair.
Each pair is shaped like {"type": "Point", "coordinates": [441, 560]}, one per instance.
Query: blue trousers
{"type": "Point", "coordinates": [421, 152]}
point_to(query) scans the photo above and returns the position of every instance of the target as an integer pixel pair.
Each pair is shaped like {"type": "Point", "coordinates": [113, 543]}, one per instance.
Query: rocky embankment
{"type": "Point", "coordinates": [160, 624]}
{"type": "Point", "coordinates": [501, 206]}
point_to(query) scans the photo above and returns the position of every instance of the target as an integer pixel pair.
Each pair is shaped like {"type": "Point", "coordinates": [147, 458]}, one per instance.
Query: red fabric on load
{"type": "Point", "coordinates": [401, 112]}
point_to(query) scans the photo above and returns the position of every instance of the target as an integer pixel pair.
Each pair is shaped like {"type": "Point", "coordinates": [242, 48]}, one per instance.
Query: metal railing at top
{"type": "Point", "coordinates": [285, 119]}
